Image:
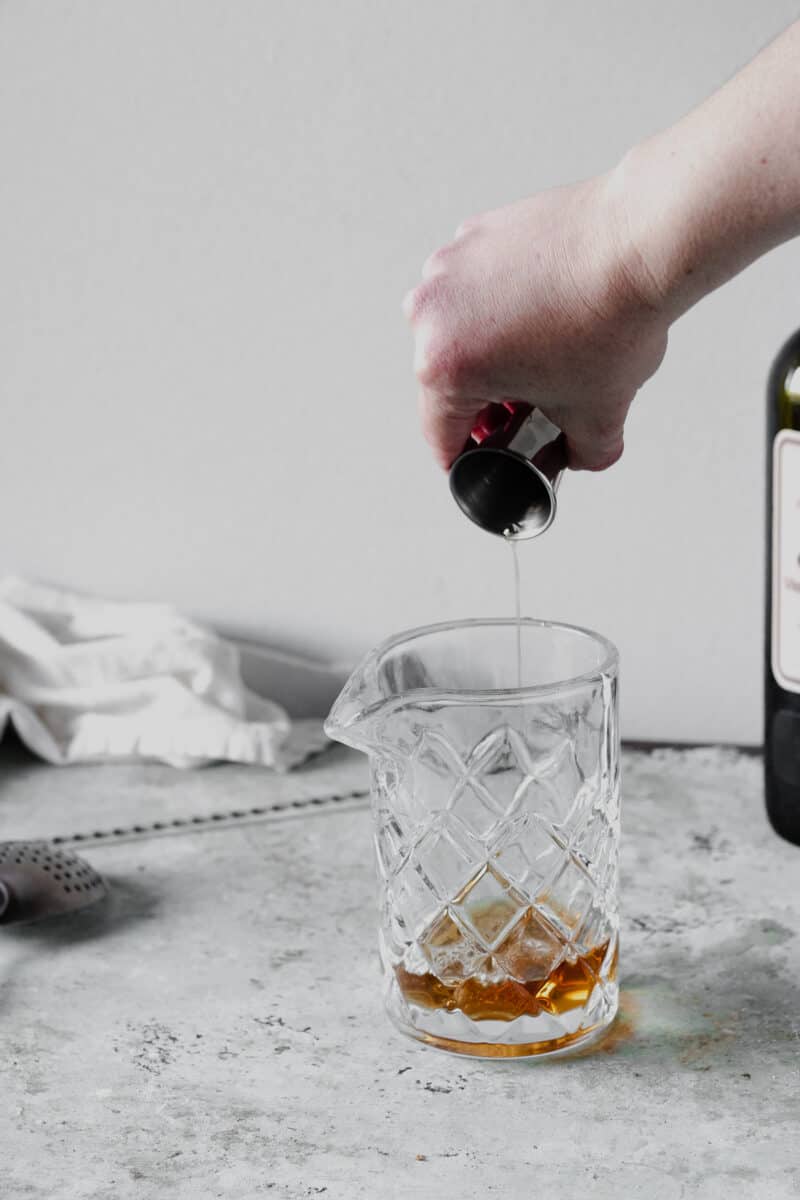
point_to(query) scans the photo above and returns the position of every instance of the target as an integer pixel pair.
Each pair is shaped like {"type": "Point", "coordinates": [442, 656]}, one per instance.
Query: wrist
{"type": "Point", "coordinates": [693, 213]}
{"type": "Point", "coordinates": [653, 241]}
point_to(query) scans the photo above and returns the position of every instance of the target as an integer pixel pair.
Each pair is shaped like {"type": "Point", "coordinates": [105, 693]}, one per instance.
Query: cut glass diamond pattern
{"type": "Point", "coordinates": [530, 949]}
{"type": "Point", "coordinates": [405, 801]}
{"type": "Point", "coordinates": [528, 851]}
{"type": "Point", "coordinates": [540, 797]}
{"type": "Point", "coordinates": [434, 754]}
{"type": "Point", "coordinates": [390, 846]}
{"type": "Point", "coordinates": [560, 779]}
{"type": "Point", "coordinates": [567, 897]}
{"type": "Point", "coordinates": [445, 863]}
{"type": "Point", "coordinates": [580, 809]}
{"type": "Point", "coordinates": [594, 929]}
{"type": "Point", "coordinates": [588, 734]}
{"type": "Point", "coordinates": [474, 805]}
{"type": "Point", "coordinates": [488, 906]}
{"type": "Point", "coordinates": [496, 761]}
{"type": "Point", "coordinates": [414, 898]}
{"type": "Point", "coordinates": [494, 752]}
{"type": "Point", "coordinates": [397, 939]}
{"type": "Point", "coordinates": [506, 785]}
{"type": "Point", "coordinates": [609, 966]}
{"type": "Point", "coordinates": [452, 952]}
{"type": "Point", "coordinates": [595, 846]}
{"type": "Point", "coordinates": [510, 858]}
{"type": "Point", "coordinates": [433, 768]}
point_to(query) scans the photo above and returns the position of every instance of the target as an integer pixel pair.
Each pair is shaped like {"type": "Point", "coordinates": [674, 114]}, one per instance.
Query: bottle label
{"type": "Point", "coordinates": [786, 560]}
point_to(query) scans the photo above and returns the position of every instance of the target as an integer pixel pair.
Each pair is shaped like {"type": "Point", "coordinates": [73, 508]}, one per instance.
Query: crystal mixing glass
{"type": "Point", "coordinates": [496, 812]}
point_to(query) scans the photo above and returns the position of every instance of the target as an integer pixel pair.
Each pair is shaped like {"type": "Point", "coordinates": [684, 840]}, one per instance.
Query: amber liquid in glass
{"type": "Point", "coordinates": [504, 990]}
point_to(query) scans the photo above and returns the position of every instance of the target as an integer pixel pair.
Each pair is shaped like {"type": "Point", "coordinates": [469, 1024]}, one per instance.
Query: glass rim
{"type": "Point", "coordinates": [608, 665]}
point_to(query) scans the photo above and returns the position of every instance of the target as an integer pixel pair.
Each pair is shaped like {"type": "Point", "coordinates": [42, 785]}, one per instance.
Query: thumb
{"type": "Point", "coordinates": [594, 451]}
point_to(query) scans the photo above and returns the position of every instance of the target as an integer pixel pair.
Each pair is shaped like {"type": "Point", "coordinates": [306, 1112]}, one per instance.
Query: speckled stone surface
{"type": "Point", "coordinates": [215, 1030]}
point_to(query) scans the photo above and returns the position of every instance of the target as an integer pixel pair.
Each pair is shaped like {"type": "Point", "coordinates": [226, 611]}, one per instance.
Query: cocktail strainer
{"type": "Point", "coordinates": [39, 880]}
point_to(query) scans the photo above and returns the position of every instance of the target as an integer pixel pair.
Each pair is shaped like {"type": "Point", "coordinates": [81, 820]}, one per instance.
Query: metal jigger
{"type": "Point", "coordinates": [506, 477]}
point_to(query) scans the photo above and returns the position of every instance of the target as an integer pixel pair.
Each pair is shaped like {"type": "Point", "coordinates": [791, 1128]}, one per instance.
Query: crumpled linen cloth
{"type": "Point", "coordinates": [84, 680]}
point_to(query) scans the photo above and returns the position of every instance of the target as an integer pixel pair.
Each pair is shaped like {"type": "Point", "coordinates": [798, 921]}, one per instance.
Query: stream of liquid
{"type": "Point", "coordinates": [517, 609]}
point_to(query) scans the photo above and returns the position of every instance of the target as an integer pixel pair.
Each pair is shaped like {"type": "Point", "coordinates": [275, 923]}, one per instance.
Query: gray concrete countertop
{"type": "Point", "coordinates": [214, 1029]}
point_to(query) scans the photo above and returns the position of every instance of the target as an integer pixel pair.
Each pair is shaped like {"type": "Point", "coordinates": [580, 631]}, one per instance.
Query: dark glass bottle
{"type": "Point", "coordinates": [782, 626]}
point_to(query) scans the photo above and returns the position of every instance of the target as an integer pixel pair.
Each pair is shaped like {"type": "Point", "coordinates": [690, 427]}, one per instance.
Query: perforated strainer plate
{"type": "Point", "coordinates": [40, 880]}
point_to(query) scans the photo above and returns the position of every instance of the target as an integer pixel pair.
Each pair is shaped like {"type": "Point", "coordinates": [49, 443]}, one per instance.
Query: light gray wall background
{"type": "Point", "coordinates": [209, 213]}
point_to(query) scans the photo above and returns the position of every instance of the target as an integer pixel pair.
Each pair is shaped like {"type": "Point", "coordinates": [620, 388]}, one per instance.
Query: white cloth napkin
{"type": "Point", "coordinates": [90, 680]}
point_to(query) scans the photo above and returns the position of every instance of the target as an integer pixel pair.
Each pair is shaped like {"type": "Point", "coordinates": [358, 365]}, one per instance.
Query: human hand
{"type": "Point", "coordinates": [545, 301]}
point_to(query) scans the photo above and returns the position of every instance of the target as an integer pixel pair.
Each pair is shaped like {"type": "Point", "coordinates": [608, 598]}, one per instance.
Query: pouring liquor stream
{"type": "Point", "coordinates": [506, 479]}
{"type": "Point", "coordinates": [518, 609]}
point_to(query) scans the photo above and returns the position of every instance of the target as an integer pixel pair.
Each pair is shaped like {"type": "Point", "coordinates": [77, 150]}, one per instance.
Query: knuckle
{"type": "Point", "coordinates": [604, 426]}
{"type": "Point", "coordinates": [411, 305]}
{"type": "Point", "coordinates": [437, 262]}
{"type": "Point", "coordinates": [590, 452]}
{"type": "Point", "coordinates": [441, 365]}
{"type": "Point", "coordinates": [433, 264]}
{"type": "Point", "coordinates": [468, 225]}
{"type": "Point", "coordinates": [607, 458]}
{"type": "Point", "coordinates": [421, 300]}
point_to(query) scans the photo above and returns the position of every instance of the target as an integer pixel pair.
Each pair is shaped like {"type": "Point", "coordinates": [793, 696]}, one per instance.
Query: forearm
{"type": "Point", "coordinates": [717, 190]}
